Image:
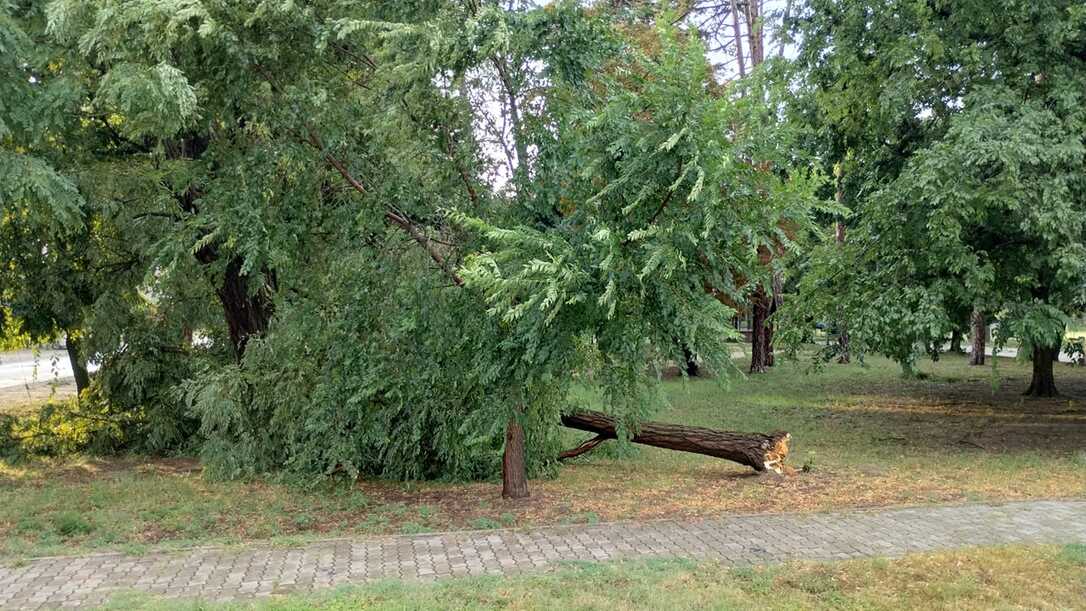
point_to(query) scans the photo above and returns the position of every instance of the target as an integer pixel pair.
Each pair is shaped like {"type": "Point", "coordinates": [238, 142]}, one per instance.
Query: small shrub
{"type": "Point", "coordinates": [27, 525]}
{"type": "Point", "coordinates": [71, 524]}
{"type": "Point", "coordinates": [356, 501]}
{"type": "Point", "coordinates": [808, 463]}
{"type": "Point", "coordinates": [63, 427]}
{"type": "Point", "coordinates": [485, 523]}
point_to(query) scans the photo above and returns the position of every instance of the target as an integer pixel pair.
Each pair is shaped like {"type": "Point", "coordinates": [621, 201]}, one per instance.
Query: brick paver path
{"type": "Point", "coordinates": [230, 574]}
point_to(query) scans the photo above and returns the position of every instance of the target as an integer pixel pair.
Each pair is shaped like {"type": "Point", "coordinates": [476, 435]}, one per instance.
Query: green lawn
{"type": "Point", "coordinates": [986, 578]}
{"type": "Point", "coordinates": [862, 436]}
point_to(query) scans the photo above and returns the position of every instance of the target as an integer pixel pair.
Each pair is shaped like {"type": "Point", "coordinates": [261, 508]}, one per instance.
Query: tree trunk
{"type": "Point", "coordinates": [844, 354]}
{"type": "Point", "coordinates": [78, 362]}
{"type": "Point", "coordinates": [956, 341]}
{"type": "Point", "coordinates": [690, 362]}
{"type": "Point", "coordinates": [978, 335]}
{"type": "Point", "coordinates": [754, 31]}
{"type": "Point", "coordinates": [759, 359]}
{"type": "Point", "coordinates": [514, 471]}
{"type": "Point", "coordinates": [785, 23]}
{"type": "Point", "coordinates": [775, 302]}
{"type": "Point", "coordinates": [1043, 383]}
{"type": "Point", "coordinates": [246, 315]}
{"type": "Point", "coordinates": [756, 450]}
{"type": "Point", "coordinates": [737, 34]}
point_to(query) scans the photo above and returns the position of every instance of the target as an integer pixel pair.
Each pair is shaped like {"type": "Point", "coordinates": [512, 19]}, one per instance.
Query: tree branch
{"type": "Point", "coordinates": [586, 446]}
{"type": "Point", "coordinates": [391, 216]}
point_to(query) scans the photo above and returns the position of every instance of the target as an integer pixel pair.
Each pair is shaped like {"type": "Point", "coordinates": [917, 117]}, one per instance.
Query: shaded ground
{"type": "Point", "coordinates": [862, 437]}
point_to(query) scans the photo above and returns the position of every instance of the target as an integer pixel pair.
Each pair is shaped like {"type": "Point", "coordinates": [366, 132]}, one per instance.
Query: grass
{"type": "Point", "coordinates": [1048, 577]}
{"type": "Point", "coordinates": [865, 436]}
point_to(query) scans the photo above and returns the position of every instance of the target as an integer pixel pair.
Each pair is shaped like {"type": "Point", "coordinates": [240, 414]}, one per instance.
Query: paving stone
{"type": "Point", "coordinates": [223, 575]}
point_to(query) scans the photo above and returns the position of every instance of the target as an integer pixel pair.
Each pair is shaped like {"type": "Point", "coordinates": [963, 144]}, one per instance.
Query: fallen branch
{"type": "Point", "coordinates": [758, 451]}
{"type": "Point", "coordinates": [587, 446]}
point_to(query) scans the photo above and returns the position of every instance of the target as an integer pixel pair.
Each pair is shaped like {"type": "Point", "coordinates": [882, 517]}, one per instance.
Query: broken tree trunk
{"type": "Point", "coordinates": [758, 451]}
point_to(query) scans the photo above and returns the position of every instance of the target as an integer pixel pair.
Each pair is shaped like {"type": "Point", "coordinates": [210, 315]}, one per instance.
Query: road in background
{"type": "Point", "coordinates": [24, 367]}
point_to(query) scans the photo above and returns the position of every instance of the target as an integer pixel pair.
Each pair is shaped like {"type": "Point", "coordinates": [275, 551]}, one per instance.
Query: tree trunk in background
{"type": "Point", "coordinates": [775, 301]}
{"type": "Point", "coordinates": [246, 315]}
{"type": "Point", "coordinates": [690, 364]}
{"type": "Point", "coordinates": [843, 349]}
{"type": "Point", "coordinates": [78, 362]}
{"type": "Point", "coordinates": [759, 451]}
{"type": "Point", "coordinates": [738, 40]}
{"type": "Point", "coordinates": [956, 341]}
{"type": "Point", "coordinates": [514, 470]}
{"type": "Point", "coordinates": [978, 335]}
{"type": "Point", "coordinates": [786, 22]}
{"type": "Point", "coordinates": [755, 31]}
{"type": "Point", "coordinates": [1043, 383]}
{"type": "Point", "coordinates": [759, 360]}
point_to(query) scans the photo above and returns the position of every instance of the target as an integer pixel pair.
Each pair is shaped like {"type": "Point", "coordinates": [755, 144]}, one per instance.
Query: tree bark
{"type": "Point", "coordinates": [956, 341]}
{"type": "Point", "coordinates": [585, 446]}
{"type": "Point", "coordinates": [514, 470]}
{"type": "Point", "coordinates": [759, 451]}
{"type": "Point", "coordinates": [1043, 383]}
{"type": "Point", "coordinates": [78, 362]}
{"type": "Point", "coordinates": [737, 34]}
{"type": "Point", "coordinates": [759, 359]}
{"type": "Point", "coordinates": [844, 353]}
{"type": "Point", "coordinates": [978, 336]}
{"type": "Point", "coordinates": [690, 362]}
{"type": "Point", "coordinates": [247, 315]}
{"type": "Point", "coordinates": [775, 301]}
{"type": "Point", "coordinates": [755, 31]}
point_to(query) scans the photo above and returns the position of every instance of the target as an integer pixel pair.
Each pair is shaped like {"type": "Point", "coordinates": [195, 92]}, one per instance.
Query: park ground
{"type": "Point", "coordinates": [863, 437]}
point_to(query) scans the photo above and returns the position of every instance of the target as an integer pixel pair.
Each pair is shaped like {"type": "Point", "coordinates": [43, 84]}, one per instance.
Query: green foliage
{"type": "Point", "coordinates": [959, 131]}
{"type": "Point", "coordinates": [71, 524]}
{"type": "Point", "coordinates": [397, 388]}
{"type": "Point", "coordinates": [62, 427]}
{"type": "Point", "coordinates": [304, 188]}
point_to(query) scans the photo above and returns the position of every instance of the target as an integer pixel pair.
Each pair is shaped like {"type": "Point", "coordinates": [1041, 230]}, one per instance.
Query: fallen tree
{"type": "Point", "coordinates": [759, 451]}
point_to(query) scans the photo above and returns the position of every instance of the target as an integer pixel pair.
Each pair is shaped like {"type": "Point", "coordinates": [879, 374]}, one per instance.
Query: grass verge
{"type": "Point", "coordinates": [1048, 577]}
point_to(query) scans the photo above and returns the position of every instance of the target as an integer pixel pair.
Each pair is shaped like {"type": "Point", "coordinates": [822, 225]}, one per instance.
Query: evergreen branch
{"type": "Point", "coordinates": [397, 219]}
